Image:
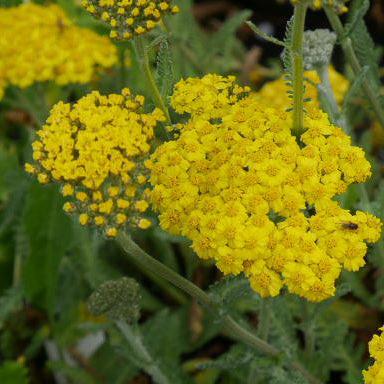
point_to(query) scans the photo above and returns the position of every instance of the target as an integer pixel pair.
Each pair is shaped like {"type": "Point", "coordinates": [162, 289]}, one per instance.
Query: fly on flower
{"type": "Point", "coordinates": [349, 225]}
{"type": "Point", "coordinates": [60, 24]}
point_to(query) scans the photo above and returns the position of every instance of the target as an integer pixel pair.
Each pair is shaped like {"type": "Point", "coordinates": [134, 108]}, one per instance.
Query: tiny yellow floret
{"type": "Point", "coordinates": [68, 207]}
{"type": "Point", "coordinates": [144, 224]}
{"type": "Point", "coordinates": [67, 190]}
{"type": "Point", "coordinates": [111, 232]}
{"type": "Point", "coordinates": [83, 219]}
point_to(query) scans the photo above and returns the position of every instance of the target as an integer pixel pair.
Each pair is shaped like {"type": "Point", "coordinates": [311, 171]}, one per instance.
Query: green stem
{"type": "Point", "coordinates": [309, 334]}
{"type": "Point", "coordinates": [170, 290]}
{"type": "Point", "coordinates": [350, 55]}
{"type": "Point", "coordinates": [327, 100]}
{"type": "Point", "coordinates": [264, 318]}
{"type": "Point", "coordinates": [142, 56]}
{"type": "Point", "coordinates": [300, 12]}
{"type": "Point", "coordinates": [230, 326]}
{"type": "Point", "coordinates": [325, 88]}
{"type": "Point", "coordinates": [17, 263]}
{"type": "Point", "coordinates": [123, 67]}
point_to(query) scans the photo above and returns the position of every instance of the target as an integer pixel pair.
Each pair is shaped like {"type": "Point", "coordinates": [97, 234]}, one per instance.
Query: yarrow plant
{"type": "Point", "coordinates": [39, 43]}
{"type": "Point", "coordinates": [96, 149]}
{"type": "Point", "coordinates": [262, 183]}
{"type": "Point", "coordinates": [253, 199]}
{"type": "Point", "coordinates": [129, 18]}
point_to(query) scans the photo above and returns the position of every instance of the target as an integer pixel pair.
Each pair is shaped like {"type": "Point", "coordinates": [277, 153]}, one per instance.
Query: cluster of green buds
{"type": "Point", "coordinates": [129, 18]}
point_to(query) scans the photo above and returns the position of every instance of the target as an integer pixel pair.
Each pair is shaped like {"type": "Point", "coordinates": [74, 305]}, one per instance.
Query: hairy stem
{"type": "Point", "coordinates": [309, 334]}
{"type": "Point", "coordinates": [297, 66]}
{"type": "Point", "coordinates": [327, 100]}
{"type": "Point", "coordinates": [142, 56]}
{"type": "Point", "coordinates": [264, 318]}
{"type": "Point", "coordinates": [230, 326]}
{"type": "Point", "coordinates": [350, 55]}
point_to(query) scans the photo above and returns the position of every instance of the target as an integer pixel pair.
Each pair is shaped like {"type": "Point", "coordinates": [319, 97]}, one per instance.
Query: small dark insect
{"type": "Point", "coordinates": [349, 225]}
{"type": "Point", "coordinates": [60, 24]}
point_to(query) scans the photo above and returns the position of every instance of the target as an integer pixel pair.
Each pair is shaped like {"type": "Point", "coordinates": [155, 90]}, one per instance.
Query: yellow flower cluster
{"type": "Point", "coordinates": [375, 373]}
{"type": "Point", "coordinates": [257, 202]}
{"type": "Point", "coordinates": [39, 43]}
{"type": "Point", "coordinates": [129, 18]}
{"type": "Point", "coordinates": [95, 149]}
{"type": "Point", "coordinates": [337, 5]}
{"type": "Point", "coordinates": [274, 93]}
{"type": "Point", "coordinates": [206, 98]}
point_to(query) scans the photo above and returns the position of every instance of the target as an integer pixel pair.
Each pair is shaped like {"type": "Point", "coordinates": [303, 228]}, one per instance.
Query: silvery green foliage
{"type": "Point", "coordinates": [229, 290]}
{"type": "Point", "coordinates": [367, 52]}
{"type": "Point", "coordinates": [165, 73]}
{"type": "Point", "coordinates": [317, 48]}
{"type": "Point", "coordinates": [118, 299]}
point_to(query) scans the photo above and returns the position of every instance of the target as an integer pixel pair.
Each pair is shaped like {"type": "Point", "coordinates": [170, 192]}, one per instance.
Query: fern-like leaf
{"type": "Point", "coordinates": [230, 290]}
{"type": "Point", "coordinates": [165, 73]}
{"type": "Point", "coordinates": [356, 13]}
{"type": "Point", "coordinates": [364, 45]}
{"type": "Point", "coordinates": [222, 41]}
{"type": "Point", "coordinates": [286, 55]}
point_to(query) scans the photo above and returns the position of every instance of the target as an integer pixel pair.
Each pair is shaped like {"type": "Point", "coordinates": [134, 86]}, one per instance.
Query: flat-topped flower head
{"type": "Point", "coordinates": [96, 149]}
{"type": "Point", "coordinates": [337, 5]}
{"type": "Point", "coordinates": [39, 43]}
{"type": "Point", "coordinates": [129, 18]}
{"type": "Point", "coordinates": [257, 202]}
{"type": "Point", "coordinates": [375, 373]}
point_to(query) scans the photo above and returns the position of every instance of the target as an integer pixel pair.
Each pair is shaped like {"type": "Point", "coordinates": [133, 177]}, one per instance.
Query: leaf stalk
{"type": "Point", "coordinates": [230, 326]}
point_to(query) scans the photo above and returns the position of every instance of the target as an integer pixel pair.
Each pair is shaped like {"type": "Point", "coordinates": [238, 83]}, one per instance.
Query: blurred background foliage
{"type": "Point", "coordinates": [49, 265]}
